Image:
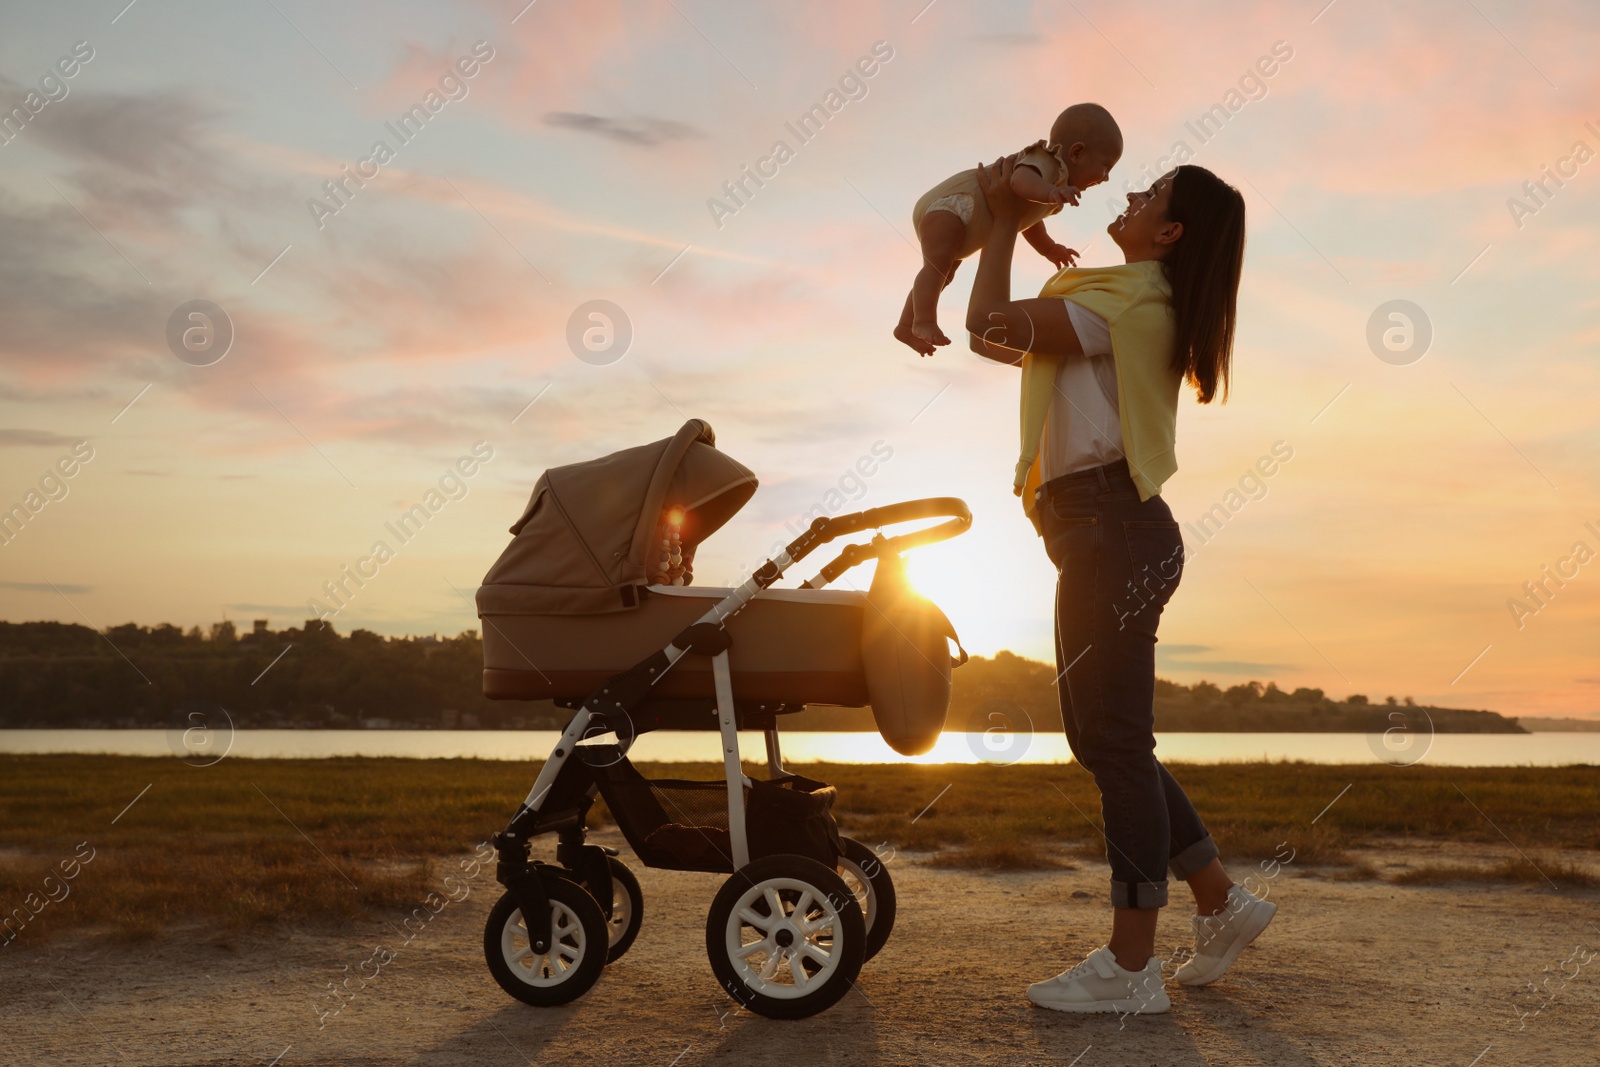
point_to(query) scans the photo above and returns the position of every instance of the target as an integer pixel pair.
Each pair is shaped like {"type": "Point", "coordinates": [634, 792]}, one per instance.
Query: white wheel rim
{"type": "Point", "coordinates": [784, 938]}
{"type": "Point", "coordinates": [860, 886]}
{"type": "Point", "coordinates": [621, 913]}
{"type": "Point", "coordinates": [567, 944]}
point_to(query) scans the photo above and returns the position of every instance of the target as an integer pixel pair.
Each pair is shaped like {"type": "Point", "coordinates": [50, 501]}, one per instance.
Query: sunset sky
{"type": "Point", "coordinates": [1384, 159]}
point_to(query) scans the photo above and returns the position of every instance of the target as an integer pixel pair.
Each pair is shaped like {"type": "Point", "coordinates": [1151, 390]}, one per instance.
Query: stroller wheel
{"type": "Point", "coordinates": [574, 961]}
{"type": "Point", "coordinates": [627, 910]}
{"type": "Point", "coordinates": [785, 937]}
{"type": "Point", "coordinates": [866, 876]}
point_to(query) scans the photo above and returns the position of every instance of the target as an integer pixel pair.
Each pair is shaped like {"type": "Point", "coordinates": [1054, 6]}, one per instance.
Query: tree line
{"type": "Point", "coordinates": [65, 675]}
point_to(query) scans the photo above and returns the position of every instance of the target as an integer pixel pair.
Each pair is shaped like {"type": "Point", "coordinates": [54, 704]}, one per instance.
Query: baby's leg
{"type": "Point", "coordinates": [941, 235]}
{"type": "Point", "coordinates": [902, 331]}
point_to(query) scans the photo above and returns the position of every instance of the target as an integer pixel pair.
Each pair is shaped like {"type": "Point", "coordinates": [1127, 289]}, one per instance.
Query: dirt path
{"type": "Point", "coordinates": [1351, 973]}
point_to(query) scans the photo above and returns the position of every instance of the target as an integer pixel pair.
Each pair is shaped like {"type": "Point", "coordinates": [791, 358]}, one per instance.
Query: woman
{"type": "Point", "coordinates": [1104, 352]}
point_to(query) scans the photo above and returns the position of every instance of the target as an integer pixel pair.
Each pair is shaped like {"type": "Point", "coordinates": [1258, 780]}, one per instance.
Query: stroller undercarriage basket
{"type": "Point", "coordinates": [681, 825]}
{"type": "Point", "coordinates": [570, 613]}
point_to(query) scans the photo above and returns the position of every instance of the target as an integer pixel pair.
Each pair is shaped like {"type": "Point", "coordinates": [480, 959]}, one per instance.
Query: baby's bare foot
{"type": "Point", "coordinates": [930, 332]}
{"type": "Point", "coordinates": [904, 335]}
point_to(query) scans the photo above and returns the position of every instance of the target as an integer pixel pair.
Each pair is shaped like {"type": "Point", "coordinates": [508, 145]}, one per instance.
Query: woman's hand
{"type": "Point", "coordinates": [995, 181]}
{"type": "Point", "coordinates": [999, 324]}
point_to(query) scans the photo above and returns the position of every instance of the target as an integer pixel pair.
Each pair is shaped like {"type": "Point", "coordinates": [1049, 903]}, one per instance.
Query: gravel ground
{"type": "Point", "coordinates": [1351, 972]}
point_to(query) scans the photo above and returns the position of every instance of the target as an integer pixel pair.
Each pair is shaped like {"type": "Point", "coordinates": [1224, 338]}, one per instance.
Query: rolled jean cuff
{"type": "Point", "coordinates": [1138, 894]}
{"type": "Point", "coordinates": [1192, 859]}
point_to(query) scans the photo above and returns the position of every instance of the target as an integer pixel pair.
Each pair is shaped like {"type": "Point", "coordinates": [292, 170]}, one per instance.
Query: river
{"type": "Point", "coordinates": [1454, 750]}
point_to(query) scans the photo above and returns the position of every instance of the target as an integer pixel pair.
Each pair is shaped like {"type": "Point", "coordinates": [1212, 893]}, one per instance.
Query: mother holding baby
{"type": "Point", "coordinates": [1104, 353]}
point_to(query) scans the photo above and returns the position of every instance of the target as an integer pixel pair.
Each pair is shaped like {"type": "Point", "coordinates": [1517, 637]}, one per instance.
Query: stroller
{"type": "Point", "coordinates": [578, 609]}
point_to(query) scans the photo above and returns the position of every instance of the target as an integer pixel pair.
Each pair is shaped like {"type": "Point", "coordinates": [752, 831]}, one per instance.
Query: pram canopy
{"type": "Point", "coordinates": [582, 544]}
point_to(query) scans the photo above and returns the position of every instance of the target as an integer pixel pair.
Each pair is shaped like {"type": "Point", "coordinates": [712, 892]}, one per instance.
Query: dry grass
{"type": "Point", "coordinates": [1255, 811]}
{"type": "Point", "coordinates": [1515, 869]}
{"type": "Point", "coordinates": [248, 842]}
{"type": "Point", "coordinates": [233, 846]}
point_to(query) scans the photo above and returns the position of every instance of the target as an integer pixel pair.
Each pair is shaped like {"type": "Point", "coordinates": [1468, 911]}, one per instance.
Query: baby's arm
{"type": "Point", "coordinates": [1047, 247]}
{"type": "Point", "coordinates": [1028, 183]}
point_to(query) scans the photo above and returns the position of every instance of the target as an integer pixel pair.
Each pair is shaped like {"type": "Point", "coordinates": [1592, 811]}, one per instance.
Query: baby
{"type": "Point", "coordinates": [952, 219]}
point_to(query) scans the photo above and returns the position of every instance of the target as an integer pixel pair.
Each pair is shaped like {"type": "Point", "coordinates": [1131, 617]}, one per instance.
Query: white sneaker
{"type": "Point", "coordinates": [1099, 984]}
{"type": "Point", "coordinates": [1219, 938]}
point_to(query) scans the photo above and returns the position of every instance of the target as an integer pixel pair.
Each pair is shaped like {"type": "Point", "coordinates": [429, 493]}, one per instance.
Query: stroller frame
{"type": "Point", "coordinates": [559, 798]}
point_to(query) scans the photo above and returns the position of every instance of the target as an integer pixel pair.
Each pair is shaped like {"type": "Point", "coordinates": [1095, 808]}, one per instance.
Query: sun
{"type": "Point", "coordinates": [995, 599]}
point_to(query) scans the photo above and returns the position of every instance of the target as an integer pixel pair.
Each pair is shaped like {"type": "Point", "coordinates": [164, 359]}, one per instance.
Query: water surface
{"type": "Point", "coordinates": [1455, 750]}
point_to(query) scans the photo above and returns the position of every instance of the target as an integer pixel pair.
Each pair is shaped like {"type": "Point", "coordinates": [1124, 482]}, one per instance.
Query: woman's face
{"type": "Point", "coordinates": [1143, 228]}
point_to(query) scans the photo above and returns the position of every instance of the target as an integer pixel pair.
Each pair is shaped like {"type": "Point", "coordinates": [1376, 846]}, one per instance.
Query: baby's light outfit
{"type": "Point", "coordinates": [962, 195]}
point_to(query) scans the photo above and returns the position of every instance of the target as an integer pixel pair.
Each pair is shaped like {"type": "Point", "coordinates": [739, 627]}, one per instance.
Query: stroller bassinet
{"type": "Point", "coordinates": [570, 613]}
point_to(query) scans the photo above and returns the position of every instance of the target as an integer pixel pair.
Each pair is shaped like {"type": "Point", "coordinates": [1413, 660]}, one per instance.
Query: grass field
{"type": "Point", "coordinates": [247, 842]}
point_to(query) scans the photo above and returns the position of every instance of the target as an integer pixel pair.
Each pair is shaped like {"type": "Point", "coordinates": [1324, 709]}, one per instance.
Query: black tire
{"type": "Point", "coordinates": [566, 973]}
{"type": "Point", "coordinates": [867, 877]}
{"type": "Point", "coordinates": [627, 910]}
{"type": "Point", "coordinates": [831, 955]}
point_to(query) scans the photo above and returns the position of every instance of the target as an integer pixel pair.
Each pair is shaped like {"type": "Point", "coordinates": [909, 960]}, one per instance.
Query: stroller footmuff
{"type": "Point", "coordinates": [578, 609]}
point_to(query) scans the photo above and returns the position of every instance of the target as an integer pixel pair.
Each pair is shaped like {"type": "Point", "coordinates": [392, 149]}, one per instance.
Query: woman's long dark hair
{"type": "Point", "coordinates": [1203, 269]}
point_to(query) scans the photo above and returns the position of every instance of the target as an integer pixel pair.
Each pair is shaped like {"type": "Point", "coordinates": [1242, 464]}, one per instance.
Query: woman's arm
{"type": "Point", "coordinates": [1002, 327]}
{"type": "Point", "coordinates": [997, 353]}
{"type": "Point", "coordinates": [1039, 325]}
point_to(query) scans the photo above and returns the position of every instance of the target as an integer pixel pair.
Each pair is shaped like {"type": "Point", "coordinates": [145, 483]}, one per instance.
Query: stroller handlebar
{"type": "Point", "coordinates": [824, 530]}
{"type": "Point", "coordinates": [932, 507]}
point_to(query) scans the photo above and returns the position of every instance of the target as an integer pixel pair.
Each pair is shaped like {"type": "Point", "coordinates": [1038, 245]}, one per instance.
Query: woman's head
{"type": "Point", "coordinates": [1193, 222]}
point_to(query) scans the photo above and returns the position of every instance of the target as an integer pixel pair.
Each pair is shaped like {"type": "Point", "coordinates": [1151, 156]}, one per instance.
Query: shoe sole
{"type": "Point", "coordinates": [1258, 921]}
{"type": "Point", "coordinates": [1131, 1006]}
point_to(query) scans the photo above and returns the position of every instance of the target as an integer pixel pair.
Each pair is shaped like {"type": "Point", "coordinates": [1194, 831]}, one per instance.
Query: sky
{"type": "Point", "coordinates": [368, 340]}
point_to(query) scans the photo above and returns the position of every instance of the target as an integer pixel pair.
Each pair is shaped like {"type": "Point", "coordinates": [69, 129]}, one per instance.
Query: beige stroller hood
{"type": "Point", "coordinates": [582, 542]}
{"type": "Point", "coordinates": [566, 606]}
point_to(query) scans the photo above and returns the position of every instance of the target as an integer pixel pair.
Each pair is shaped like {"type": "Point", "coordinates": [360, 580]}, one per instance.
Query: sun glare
{"type": "Point", "coordinates": [964, 579]}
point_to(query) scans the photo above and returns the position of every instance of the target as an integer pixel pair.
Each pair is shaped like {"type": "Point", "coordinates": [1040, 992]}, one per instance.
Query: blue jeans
{"type": "Point", "coordinates": [1119, 561]}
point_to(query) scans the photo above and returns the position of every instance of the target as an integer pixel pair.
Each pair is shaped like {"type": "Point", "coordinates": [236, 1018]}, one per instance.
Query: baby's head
{"type": "Point", "coordinates": [1091, 142]}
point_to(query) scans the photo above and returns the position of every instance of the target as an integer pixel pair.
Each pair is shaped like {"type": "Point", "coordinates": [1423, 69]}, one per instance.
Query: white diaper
{"type": "Point", "coordinates": [958, 204]}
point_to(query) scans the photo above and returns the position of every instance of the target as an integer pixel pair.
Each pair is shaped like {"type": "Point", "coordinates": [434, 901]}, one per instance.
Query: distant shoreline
{"type": "Point", "coordinates": [1544, 724]}
{"type": "Point", "coordinates": [68, 676]}
{"type": "Point", "coordinates": [797, 723]}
